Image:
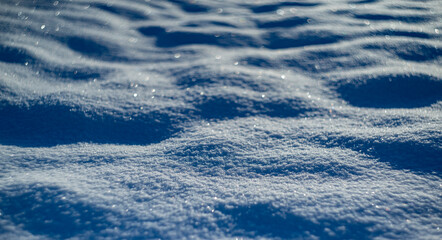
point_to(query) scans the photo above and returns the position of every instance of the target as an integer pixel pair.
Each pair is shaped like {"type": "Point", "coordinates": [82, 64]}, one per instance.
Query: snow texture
{"type": "Point", "coordinates": [220, 119]}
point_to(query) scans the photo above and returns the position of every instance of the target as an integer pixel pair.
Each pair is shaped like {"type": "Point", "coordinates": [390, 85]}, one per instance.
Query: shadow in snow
{"type": "Point", "coordinates": [94, 48]}
{"type": "Point", "coordinates": [272, 40]}
{"type": "Point", "coordinates": [206, 24]}
{"type": "Point", "coordinates": [76, 74]}
{"type": "Point", "coordinates": [51, 212]}
{"type": "Point", "coordinates": [283, 39]}
{"type": "Point", "coordinates": [231, 106]}
{"type": "Point", "coordinates": [121, 11]}
{"type": "Point", "coordinates": [284, 23]}
{"type": "Point", "coordinates": [411, 51]}
{"type": "Point", "coordinates": [21, 56]}
{"type": "Point", "coordinates": [267, 221]}
{"type": "Point", "coordinates": [363, 1]}
{"type": "Point", "coordinates": [15, 55]}
{"type": "Point", "coordinates": [418, 156]}
{"type": "Point", "coordinates": [276, 6]}
{"type": "Point", "coordinates": [414, 156]}
{"type": "Point", "coordinates": [190, 6]}
{"type": "Point", "coordinates": [402, 18]}
{"type": "Point", "coordinates": [259, 61]}
{"type": "Point", "coordinates": [392, 91]}
{"type": "Point", "coordinates": [165, 39]}
{"type": "Point", "coordinates": [52, 124]}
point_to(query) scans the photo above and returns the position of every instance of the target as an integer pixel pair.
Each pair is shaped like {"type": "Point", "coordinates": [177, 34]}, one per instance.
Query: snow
{"type": "Point", "coordinates": [220, 119]}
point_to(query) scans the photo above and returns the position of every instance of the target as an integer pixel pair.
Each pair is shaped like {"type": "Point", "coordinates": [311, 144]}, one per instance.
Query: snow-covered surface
{"type": "Point", "coordinates": [220, 119]}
